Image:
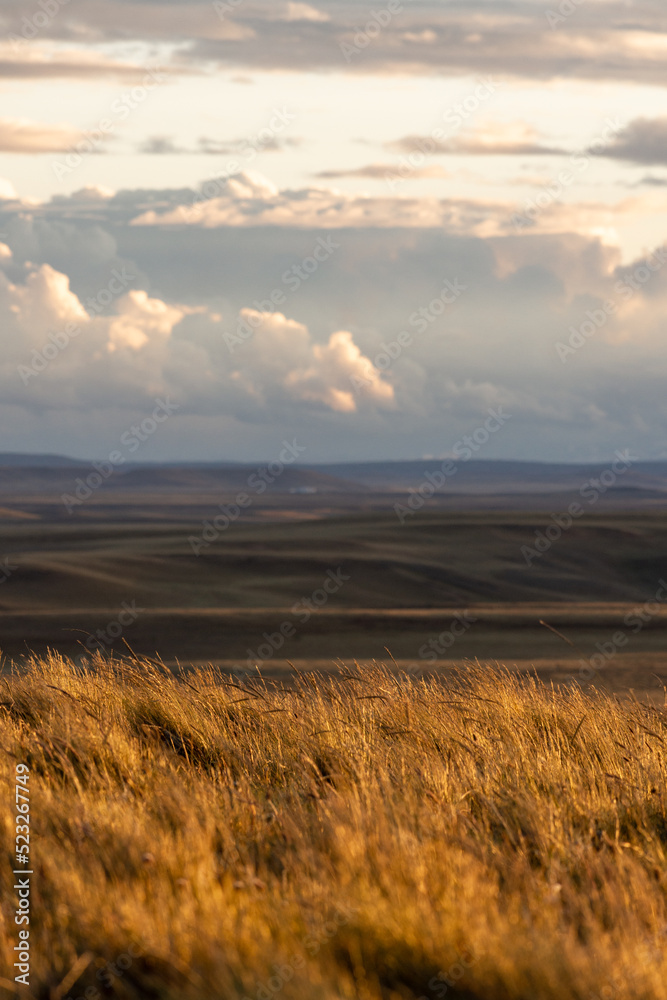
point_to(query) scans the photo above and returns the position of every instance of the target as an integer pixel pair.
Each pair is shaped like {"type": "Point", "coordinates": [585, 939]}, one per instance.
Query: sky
{"type": "Point", "coordinates": [372, 229]}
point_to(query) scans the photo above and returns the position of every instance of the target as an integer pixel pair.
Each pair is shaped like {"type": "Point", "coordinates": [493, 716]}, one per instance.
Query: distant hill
{"type": "Point", "coordinates": [529, 482]}
{"type": "Point", "coordinates": [18, 460]}
{"type": "Point", "coordinates": [206, 479]}
{"type": "Point", "coordinates": [497, 476]}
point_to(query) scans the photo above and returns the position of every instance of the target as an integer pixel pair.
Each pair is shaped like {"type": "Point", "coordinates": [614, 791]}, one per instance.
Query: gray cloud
{"type": "Point", "coordinates": [161, 145]}
{"type": "Point", "coordinates": [382, 172]}
{"type": "Point", "coordinates": [495, 346]}
{"type": "Point", "coordinates": [28, 62]}
{"type": "Point", "coordinates": [164, 145]}
{"type": "Point", "coordinates": [643, 141]}
{"type": "Point", "coordinates": [474, 145]}
{"type": "Point", "coordinates": [506, 38]}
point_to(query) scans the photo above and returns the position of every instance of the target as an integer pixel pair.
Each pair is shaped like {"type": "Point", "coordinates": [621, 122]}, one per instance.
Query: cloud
{"type": "Point", "coordinates": [282, 360]}
{"type": "Point", "coordinates": [496, 346]}
{"type": "Point", "coordinates": [511, 38]}
{"type": "Point", "coordinates": [18, 135]}
{"type": "Point", "coordinates": [7, 191]}
{"type": "Point", "coordinates": [141, 319]}
{"type": "Point", "coordinates": [492, 139]}
{"type": "Point", "coordinates": [250, 200]}
{"type": "Point", "coordinates": [643, 141]}
{"type": "Point", "coordinates": [145, 346]}
{"type": "Point", "coordinates": [27, 60]}
{"type": "Point", "coordinates": [43, 302]}
{"type": "Point", "coordinates": [384, 172]}
{"type": "Point", "coordinates": [162, 145]}
{"type": "Point", "coordinates": [300, 12]}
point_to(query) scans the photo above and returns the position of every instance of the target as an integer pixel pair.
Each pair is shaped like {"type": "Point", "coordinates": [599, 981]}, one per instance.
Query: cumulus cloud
{"type": "Point", "coordinates": [283, 363]}
{"type": "Point", "coordinates": [284, 355]}
{"type": "Point", "coordinates": [43, 302]}
{"type": "Point", "coordinates": [250, 200]}
{"type": "Point", "coordinates": [141, 318]}
{"type": "Point", "coordinates": [318, 363]}
{"type": "Point", "coordinates": [133, 352]}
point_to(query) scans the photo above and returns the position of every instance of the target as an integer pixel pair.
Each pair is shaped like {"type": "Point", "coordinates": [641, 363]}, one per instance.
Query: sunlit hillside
{"type": "Point", "coordinates": [363, 836]}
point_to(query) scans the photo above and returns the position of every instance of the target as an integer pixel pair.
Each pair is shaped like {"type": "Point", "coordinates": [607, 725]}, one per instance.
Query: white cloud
{"type": "Point", "coordinates": [44, 302]}
{"type": "Point", "coordinates": [248, 199]}
{"type": "Point", "coordinates": [282, 361]}
{"type": "Point", "coordinates": [141, 318]}
{"type": "Point", "coordinates": [300, 12]}
{"type": "Point", "coordinates": [134, 352]}
{"type": "Point", "coordinates": [22, 58]}
{"type": "Point", "coordinates": [7, 192]}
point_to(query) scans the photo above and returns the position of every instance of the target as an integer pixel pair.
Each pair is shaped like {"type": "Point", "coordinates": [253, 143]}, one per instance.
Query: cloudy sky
{"type": "Point", "coordinates": [363, 226]}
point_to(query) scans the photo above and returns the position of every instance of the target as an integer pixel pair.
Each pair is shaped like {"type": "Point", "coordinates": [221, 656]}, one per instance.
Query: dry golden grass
{"type": "Point", "coordinates": [364, 837]}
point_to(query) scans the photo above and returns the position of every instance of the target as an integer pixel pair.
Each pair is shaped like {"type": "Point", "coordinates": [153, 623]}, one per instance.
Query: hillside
{"type": "Point", "coordinates": [394, 585]}
{"type": "Point", "coordinates": [359, 836]}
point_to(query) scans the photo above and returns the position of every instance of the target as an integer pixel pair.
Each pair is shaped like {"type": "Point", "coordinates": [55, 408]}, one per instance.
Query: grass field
{"type": "Point", "coordinates": [363, 835]}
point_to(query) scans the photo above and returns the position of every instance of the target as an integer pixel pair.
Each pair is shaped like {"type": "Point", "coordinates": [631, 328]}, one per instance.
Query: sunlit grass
{"type": "Point", "coordinates": [367, 836]}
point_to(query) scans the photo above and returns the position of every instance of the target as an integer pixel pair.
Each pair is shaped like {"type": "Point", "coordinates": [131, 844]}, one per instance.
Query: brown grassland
{"type": "Point", "coordinates": [367, 835]}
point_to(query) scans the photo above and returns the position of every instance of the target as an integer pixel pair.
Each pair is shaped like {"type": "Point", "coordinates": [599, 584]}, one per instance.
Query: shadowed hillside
{"type": "Point", "coordinates": [387, 585]}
